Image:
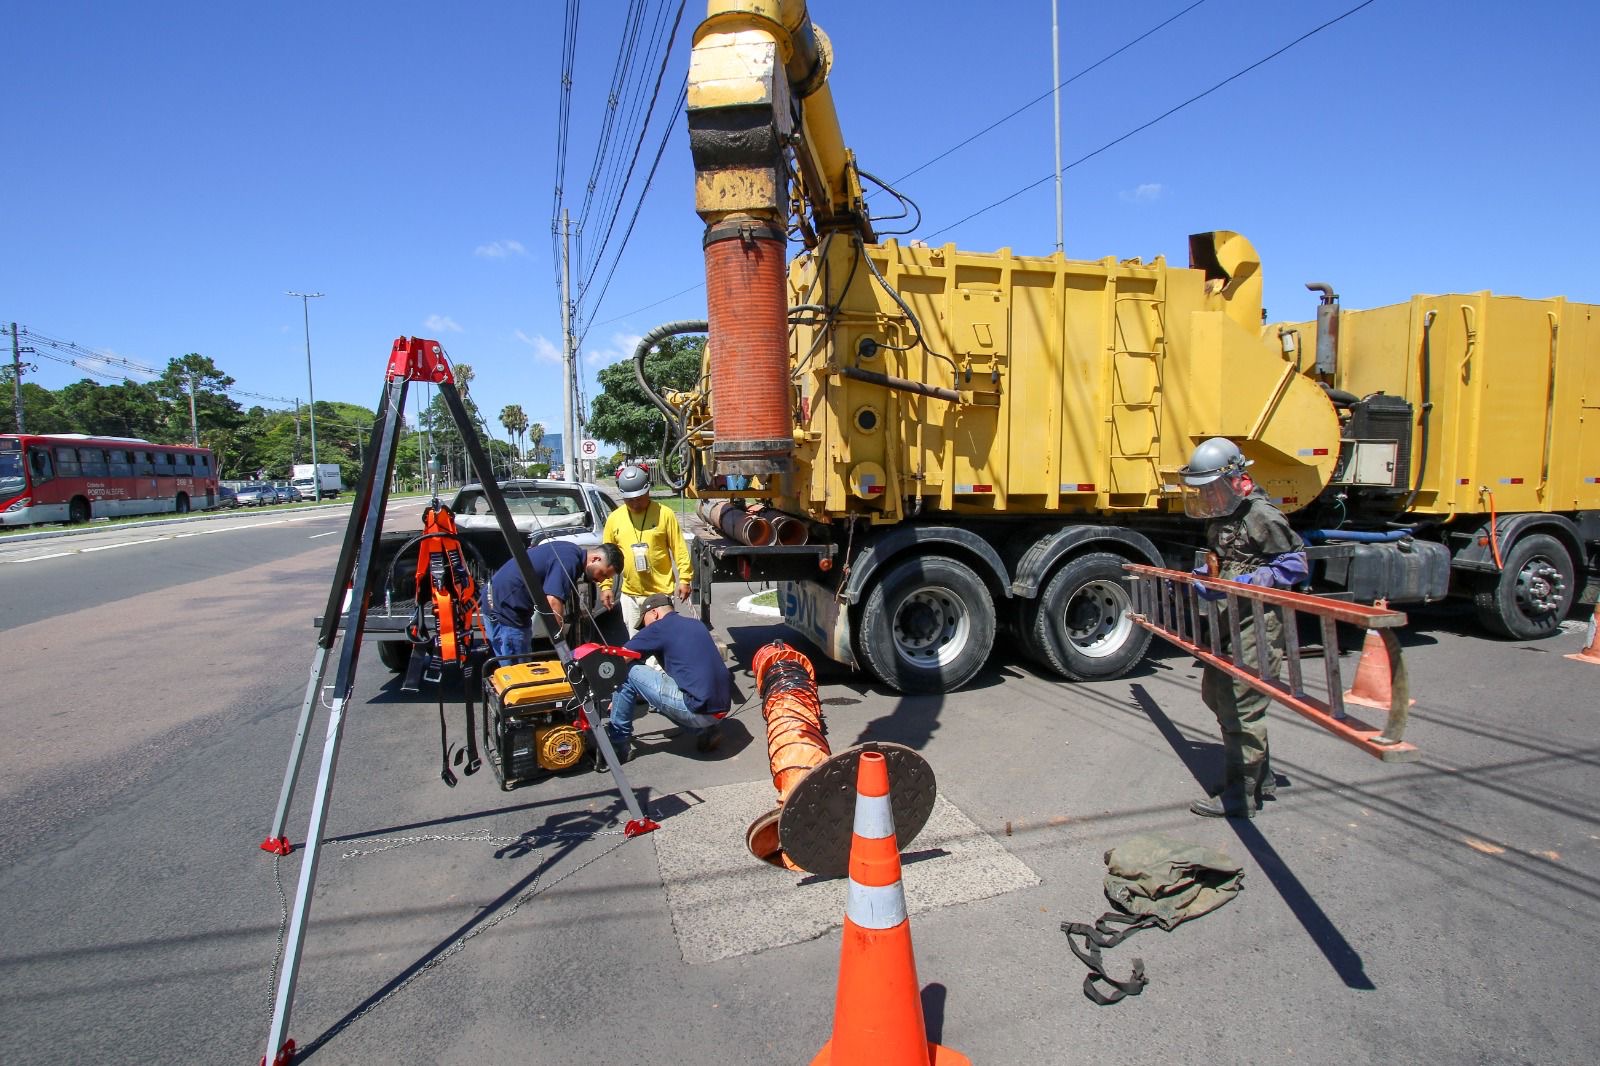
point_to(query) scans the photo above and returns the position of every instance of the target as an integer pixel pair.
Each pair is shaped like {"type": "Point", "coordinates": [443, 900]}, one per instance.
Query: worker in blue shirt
{"type": "Point", "coordinates": [558, 565]}
{"type": "Point", "coordinates": [694, 689]}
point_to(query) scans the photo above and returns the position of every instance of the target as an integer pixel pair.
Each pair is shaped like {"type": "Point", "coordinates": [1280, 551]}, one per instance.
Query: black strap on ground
{"type": "Point", "coordinates": [1102, 936]}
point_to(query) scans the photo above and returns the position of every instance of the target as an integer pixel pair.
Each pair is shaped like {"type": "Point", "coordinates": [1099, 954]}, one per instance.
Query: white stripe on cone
{"type": "Point", "coordinates": [876, 908]}
{"type": "Point", "coordinates": [874, 819]}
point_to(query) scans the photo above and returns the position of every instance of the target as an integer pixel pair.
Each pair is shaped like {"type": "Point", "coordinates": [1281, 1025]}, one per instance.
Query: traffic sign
{"type": "Point", "coordinates": [589, 449]}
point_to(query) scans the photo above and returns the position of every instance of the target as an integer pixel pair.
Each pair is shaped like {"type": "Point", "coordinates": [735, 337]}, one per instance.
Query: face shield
{"type": "Point", "coordinates": [1215, 498]}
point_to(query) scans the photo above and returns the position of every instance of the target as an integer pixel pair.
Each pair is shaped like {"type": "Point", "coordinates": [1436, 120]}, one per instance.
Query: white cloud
{"type": "Point", "coordinates": [543, 349]}
{"type": "Point", "coordinates": [618, 346]}
{"type": "Point", "coordinates": [1143, 194]}
{"type": "Point", "coordinates": [442, 324]}
{"type": "Point", "coordinates": [499, 249]}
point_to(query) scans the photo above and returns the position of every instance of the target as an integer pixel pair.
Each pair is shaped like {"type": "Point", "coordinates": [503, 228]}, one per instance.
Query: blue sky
{"type": "Point", "coordinates": [174, 168]}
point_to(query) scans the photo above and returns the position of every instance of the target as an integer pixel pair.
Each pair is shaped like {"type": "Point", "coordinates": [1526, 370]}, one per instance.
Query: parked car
{"type": "Point", "coordinates": [256, 494]}
{"type": "Point", "coordinates": [290, 493]}
{"type": "Point", "coordinates": [575, 512]}
{"type": "Point", "coordinates": [226, 498]}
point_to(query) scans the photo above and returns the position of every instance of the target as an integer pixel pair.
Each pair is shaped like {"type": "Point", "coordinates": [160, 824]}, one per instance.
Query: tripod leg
{"type": "Point", "coordinates": [276, 842]}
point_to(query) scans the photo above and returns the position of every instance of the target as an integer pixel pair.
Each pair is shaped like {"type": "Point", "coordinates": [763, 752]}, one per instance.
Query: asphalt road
{"type": "Point", "coordinates": [1437, 911]}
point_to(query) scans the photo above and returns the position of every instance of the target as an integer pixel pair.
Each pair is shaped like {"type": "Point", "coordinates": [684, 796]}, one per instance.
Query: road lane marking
{"type": "Point", "coordinates": [120, 544]}
{"type": "Point", "coordinates": [329, 533]}
{"type": "Point", "coordinates": [36, 558]}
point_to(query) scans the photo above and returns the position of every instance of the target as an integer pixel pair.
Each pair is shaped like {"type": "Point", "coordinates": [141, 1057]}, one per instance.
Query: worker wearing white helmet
{"type": "Point", "coordinates": [1251, 542]}
{"type": "Point", "coordinates": [655, 557]}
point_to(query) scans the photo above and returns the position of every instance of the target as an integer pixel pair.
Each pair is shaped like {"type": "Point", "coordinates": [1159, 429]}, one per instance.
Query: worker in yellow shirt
{"type": "Point", "coordinates": [652, 545]}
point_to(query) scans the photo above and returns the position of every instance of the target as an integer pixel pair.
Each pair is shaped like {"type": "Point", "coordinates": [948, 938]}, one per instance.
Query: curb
{"type": "Point", "coordinates": [203, 516]}
{"type": "Point", "coordinates": [748, 606]}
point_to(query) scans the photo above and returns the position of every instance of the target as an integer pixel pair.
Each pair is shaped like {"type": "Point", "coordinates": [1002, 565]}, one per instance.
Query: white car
{"type": "Point", "coordinates": [568, 511]}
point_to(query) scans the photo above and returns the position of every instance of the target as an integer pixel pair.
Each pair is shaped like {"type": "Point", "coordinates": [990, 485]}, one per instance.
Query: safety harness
{"type": "Point", "coordinates": [445, 580]}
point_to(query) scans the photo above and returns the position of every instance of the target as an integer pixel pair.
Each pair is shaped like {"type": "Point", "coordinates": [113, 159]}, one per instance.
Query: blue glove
{"type": "Point", "coordinates": [1203, 591]}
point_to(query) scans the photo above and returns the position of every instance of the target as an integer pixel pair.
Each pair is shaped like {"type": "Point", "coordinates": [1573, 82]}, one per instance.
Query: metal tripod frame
{"type": "Point", "coordinates": [411, 359]}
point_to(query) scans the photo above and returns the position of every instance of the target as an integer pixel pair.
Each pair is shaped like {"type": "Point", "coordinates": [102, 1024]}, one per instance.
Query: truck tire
{"type": "Point", "coordinates": [1080, 626]}
{"type": "Point", "coordinates": [395, 654]}
{"type": "Point", "coordinates": [928, 626]}
{"type": "Point", "coordinates": [1532, 593]}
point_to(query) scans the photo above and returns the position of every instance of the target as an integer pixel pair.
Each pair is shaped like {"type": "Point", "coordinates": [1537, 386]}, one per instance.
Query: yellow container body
{"type": "Point", "coordinates": [1515, 391]}
{"type": "Point", "coordinates": [1083, 385]}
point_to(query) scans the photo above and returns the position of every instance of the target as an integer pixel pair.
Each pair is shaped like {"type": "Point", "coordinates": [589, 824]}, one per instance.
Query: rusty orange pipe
{"type": "Point", "coordinates": [736, 523]}
{"type": "Point", "coordinates": [786, 529]}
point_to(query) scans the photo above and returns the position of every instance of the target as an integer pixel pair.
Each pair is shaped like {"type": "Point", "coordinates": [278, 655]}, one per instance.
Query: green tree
{"type": "Point", "coordinates": [126, 410]}
{"type": "Point", "coordinates": [540, 453]}
{"type": "Point", "coordinates": [213, 407]}
{"type": "Point", "coordinates": [40, 412]}
{"type": "Point", "coordinates": [622, 414]}
{"type": "Point", "coordinates": [515, 421]}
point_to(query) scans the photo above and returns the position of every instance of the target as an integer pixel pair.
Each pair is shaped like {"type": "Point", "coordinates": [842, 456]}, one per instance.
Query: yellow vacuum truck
{"type": "Point", "coordinates": [977, 442]}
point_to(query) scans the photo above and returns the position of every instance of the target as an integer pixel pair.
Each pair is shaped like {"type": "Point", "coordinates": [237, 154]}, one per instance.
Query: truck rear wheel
{"type": "Point", "coordinates": [1532, 593]}
{"type": "Point", "coordinates": [928, 625]}
{"type": "Point", "coordinates": [1079, 627]}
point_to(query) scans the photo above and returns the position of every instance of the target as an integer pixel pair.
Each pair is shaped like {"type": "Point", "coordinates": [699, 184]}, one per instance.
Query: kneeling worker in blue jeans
{"type": "Point", "coordinates": [695, 691]}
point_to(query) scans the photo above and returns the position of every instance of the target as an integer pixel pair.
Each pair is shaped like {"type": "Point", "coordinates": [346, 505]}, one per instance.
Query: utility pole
{"type": "Point", "coordinates": [194, 424]}
{"type": "Point", "coordinates": [297, 429]}
{"type": "Point", "coordinates": [311, 392]}
{"type": "Point", "coordinates": [570, 357]}
{"type": "Point", "coordinates": [1055, 53]}
{"type": "Point", "coordinates": [16, 377]}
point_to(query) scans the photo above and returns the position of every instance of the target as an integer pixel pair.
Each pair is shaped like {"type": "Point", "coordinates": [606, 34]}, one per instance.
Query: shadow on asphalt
{"type": "Point", "coordinates": [1344, 958]}
{"type": "Point", "coordinates": [562, 833]}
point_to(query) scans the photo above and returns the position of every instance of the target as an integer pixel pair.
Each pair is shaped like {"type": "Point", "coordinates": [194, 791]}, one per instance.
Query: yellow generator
{"type": "Point", "coordinates": [532, 723]}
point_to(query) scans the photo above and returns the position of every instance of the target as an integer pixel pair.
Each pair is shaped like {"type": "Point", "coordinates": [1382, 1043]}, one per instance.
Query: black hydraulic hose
{"type": "Point", "coordinates": [1426, 359]}
{"type": "Point", "coordinates": [675, 420]}
{"type": "Point", "coordinates": [650, 340]}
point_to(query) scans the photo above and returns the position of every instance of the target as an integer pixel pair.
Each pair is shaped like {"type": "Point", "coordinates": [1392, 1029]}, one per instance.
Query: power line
{"type": "Point", "coordinates": [666, 135]}
{"type": "Point", "coordinates": [643, 129]}
{"type": "Point", "coordinates": [1046, 95]}
{"type": "Point", "coordinates": [1165, 114]}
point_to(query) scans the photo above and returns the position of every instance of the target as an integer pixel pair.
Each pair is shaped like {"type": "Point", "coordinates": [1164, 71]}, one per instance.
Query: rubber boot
{"type": "Point", "coordinates": [1267, 786]}
{"type": "Point", "coordinates": [1238, 798]}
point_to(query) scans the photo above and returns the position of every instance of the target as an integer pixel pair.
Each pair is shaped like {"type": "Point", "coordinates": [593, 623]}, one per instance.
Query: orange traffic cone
{"type": "Point", "coordinates": [877, 1014]}
{"type": "Point", "coordinates": [1373, 686]}
{"type": "Point", "coordinates": [1591, 653]}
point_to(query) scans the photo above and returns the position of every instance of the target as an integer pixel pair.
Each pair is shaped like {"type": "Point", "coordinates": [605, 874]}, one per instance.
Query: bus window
{"type": "Point", "coordinates": [117, 464]}
{"type": "Point", "coordinates": [67, 462]}
{"type": "Point", "coordinates": [39, 460]}
{"type": "Point", "coordinates": [93, 461]}
{"type": "Point", "coordinates": [163, 464]}
{"type": "Point", "coordinates": [143, 465]}
{"type": "Point", "coordinates": [184, 463]}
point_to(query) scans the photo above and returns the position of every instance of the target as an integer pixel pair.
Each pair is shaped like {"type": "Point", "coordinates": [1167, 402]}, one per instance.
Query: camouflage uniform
{"type": "Point", "coordinates": [1253, 536]}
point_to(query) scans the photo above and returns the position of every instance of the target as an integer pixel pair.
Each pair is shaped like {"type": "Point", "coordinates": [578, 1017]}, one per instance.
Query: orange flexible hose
{"type": "Point", "coordinates": [793, 712]}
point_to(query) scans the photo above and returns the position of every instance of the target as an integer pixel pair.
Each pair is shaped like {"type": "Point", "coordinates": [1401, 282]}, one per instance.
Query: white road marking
{"type": "Point", "coordinates": [329, 533]}
{"type": "Point", "coordinates": [36, 558]}
{"type": "Point", "coordinates": [120, 544]}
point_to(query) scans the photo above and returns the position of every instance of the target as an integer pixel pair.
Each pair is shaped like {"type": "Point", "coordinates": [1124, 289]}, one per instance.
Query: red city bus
{"type": "Point", "coordinates": [71, 477]}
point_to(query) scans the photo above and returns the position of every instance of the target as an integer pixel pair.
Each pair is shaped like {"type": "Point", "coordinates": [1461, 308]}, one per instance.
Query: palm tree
{"type": "Point", "coordinates": [515, 422]}
{"type": "Point", "coordinates": [536, 432]}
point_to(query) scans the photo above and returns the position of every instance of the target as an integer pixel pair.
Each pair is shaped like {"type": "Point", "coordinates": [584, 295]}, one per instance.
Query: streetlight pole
{"type": "Point", "coordinates": [311, 393]}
